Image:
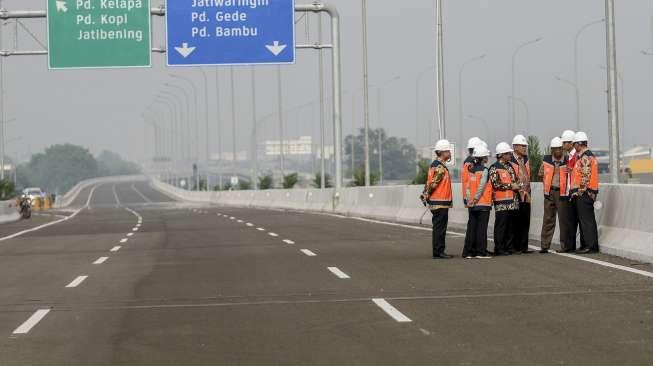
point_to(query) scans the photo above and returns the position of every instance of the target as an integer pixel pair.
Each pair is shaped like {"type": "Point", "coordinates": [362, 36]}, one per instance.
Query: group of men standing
{"type": "Point", "coordinates": [570, 179]}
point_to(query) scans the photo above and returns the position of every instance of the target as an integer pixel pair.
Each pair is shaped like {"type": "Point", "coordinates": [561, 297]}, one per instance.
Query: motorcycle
{"type": "Point", "coordinates": [25, 207]}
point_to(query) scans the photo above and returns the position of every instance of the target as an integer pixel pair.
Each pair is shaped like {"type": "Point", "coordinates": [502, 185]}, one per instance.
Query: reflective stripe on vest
{"type": "Point", "coordinates": [475, 176]}
{"type": "Point", "coordinates": [507, 196]}
{"type": "Point", "coordinates": [442, 195]}
{"type": "Point", "coordinates": [576, 174]}
{"type": "Point", "coordinates": [548, 166]}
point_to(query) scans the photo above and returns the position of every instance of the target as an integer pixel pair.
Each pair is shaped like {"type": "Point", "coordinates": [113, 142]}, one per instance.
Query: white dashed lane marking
{"type": "Point", "coordinates": [308, 253]}
{"type": "Point", "coordinates": [130, 234]}
{"type": "Point", "coordinates": [392, 311]}
{"type": "Point", "coordinates": [340, 274]}
{"type": "Point", "coordinates": [287, 241]}
{"type": "Point", "coordinates": [76, 282]}
{"type": "Point", "coordinates": [249, 224]}
{"type": "Point", "coordinates": [260, 229]}
{"type": "Point", "coordinates": [116, 248]}
{"type": "Point", "coordinates": [32, 321]}
{"type": "Point", "coordinates": [100, 260]}
{"type": "Point", "coordinates": [273, 234]}
{"type": "Point", "coordinates": [123, 240]}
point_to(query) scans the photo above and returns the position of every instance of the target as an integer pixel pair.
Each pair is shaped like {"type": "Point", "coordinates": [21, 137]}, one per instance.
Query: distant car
{"type": "Point", "coordinates": [33, 193]}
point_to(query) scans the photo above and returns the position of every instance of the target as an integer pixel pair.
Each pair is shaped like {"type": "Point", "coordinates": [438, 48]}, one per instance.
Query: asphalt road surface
{"type": "Point", "coordinates": [134, 278]}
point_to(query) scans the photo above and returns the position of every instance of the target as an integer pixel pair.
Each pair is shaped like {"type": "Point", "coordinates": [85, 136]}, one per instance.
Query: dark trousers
{"type": "Point", "coordinates": [588, 228]}
{"type": "Point", "coordinates": [555, 207]}
{"type": "Point", "coordinates": [574, 224]}
{"type": "Point", "coordinates": [522, 227]}
{"type": "Point", "coordinates": [440, 223]}
{"type": "Point", "coordinates": [476, 235]}
{"type": "Point", "coordinates": [503, 231]}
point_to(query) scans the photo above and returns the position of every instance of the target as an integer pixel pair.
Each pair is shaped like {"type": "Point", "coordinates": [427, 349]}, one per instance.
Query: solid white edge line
{"type": "Point", "coordinates": [392, 311]}
{"type": "Point", "coordinates": [308, 253]}
{"type": "Point", "coordinates": [340, 274]}
{"type": "Point", "coordinates": [73, 215]}
{"type": "Point", "coordinates": [116, 248]}
{"type": "Point", "coordinates": [76, 282]}
{"type": "Point", "coordinates": [570, 256]}
{"type": "Point", "coordinates": [100, 260]}
{"type": "Point", "coordinates": [32, 321]}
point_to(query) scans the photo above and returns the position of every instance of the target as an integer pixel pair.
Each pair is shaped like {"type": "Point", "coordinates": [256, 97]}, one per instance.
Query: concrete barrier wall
{"type": "Point", "coordinates": [625, 222]}
{"type": "Point", "coordinates": [68, 198]}
{"type": "Point", "coordinates": [8, 212]}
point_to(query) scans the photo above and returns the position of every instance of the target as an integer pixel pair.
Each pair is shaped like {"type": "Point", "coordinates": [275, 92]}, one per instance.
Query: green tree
{"type": "Point", "coordinates": [423, 173]}
{"type": "Point", "coordinates": [110, 164]}
{"type": "Point", "coordinates": [534, 157]}
{"type": "Point", "coordinates": [59, 168]}
{"type": "Point", "coordinates": [244, 185]}
{"type": "Point", "coordinates": [265, 182]}
{"type": "Point", "coordinates": [7, 189]}
{"type": "Point", "coordinates": [398, 154]}
{"type": "Point", "coordinates": [290, 180]}
{"type": "Point", "coordinates": [317, 181]}
{"type": "Point", "coordinates": [359, 178]}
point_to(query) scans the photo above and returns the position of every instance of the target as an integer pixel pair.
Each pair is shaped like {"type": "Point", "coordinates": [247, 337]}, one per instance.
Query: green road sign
{"type": "Point", "coordinates": [99, 33]}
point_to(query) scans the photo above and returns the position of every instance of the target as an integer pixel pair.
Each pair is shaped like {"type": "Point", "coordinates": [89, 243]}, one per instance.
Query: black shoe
{"type": "Point", "coordinates": [527, 251]}
{"type": "Point", "coordinates": [442, 256]}
{"type": "Point", "coordinates": [544, 251]}
{"type": "Point", "coordinates": [499, 253]}
{"type": "Point", "coordinates": [568, 251]}
{"type": "Point", "coordinates": [587, 251]}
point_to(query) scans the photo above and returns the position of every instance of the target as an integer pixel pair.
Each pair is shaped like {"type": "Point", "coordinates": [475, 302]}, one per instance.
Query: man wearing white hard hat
{"type": "Point", "coordinates": [555, 176]}
{"type": "Point", "coordinates": [438, 197]}
{"type": "Point", "coordinates": [522, 168]}
{"type": "Point", "coordinates": [584, 191]}
{"type": "Point", "coordinates": [573, 224]}
{"type": "Point", "coordinates": [464, 171]}
{"type": "Point", "coordinates": [479, 193]}
{"type": "Point", "coordinates": [506, 204]}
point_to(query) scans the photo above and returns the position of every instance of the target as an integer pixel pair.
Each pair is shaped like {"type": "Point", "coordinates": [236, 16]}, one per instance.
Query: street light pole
{"type": "Point", "coordinates": [321, 96]}
{"type": "Point", "coordinates": [514, 60]}
{"type": "Point", "coordinates": [190, 82]}
{"type": "Point", "coordinates": [280, 116]}
{"type": "Point", "coordinates": [461, 112]}
{"type": "Point", "coordinates": [417, 116]}
{"type": "Point", "coordinates": [526, 110]}
{"type": "Point", "coordinates": [439, 46]}
{"type": "Point", "coordinates": [622, 107]}
{"type": "Point", "coordinates": [254, 132]}
{"type": "Point", "coordinates": [576, 72]}
{"type": "Point", "coordinates": [613, 91]}
{"type": "Point", "coordinates": [366, 97]}
{"type": "Point", "coordinates": [577, 93]}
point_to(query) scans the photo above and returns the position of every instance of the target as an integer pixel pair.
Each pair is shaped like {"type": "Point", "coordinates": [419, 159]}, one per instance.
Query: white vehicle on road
{"type": "Point", "coordinates": [33, 192]}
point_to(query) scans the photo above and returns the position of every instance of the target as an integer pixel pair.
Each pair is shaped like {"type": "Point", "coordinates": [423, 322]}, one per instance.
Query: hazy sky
{"type": "Point", "coordinates": [101, 108]}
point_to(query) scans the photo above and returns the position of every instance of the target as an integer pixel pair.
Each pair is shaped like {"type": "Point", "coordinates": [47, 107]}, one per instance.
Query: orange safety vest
{"type": "Point", "coordinates": [442, 195]}
{"type": "Point", "coordinates": [475, 176]}
{"type": "Point", "coordinates": [464, 177]}
{"type": "Point", "coordinates": [548, 166]}
{"type": "Point", "coordinates": [576, 174]}
{"type": "Point", "coordinates": [515, 166]}
{"type": "Point", "coordinates": [503, 196]}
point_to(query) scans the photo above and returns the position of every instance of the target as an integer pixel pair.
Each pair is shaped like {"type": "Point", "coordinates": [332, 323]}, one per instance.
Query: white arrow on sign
{"type": "Point", "coordinates": [276, 48]}
{"type": "Point", "coordinates": [61, 6]}
{"type": "Point", "coordinates": [184, 50]}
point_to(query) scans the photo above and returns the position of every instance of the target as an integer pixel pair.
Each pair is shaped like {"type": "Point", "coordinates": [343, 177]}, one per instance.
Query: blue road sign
{"type": "Point", "coordinates": [230, 32]}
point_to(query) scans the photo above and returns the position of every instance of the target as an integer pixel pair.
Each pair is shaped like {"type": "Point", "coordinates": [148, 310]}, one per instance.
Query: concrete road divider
{"type": "Point", "coordinates": [625, 220]}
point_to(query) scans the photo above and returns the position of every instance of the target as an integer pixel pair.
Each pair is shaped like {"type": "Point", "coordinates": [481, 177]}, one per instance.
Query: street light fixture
{"type": "Point", "coordinates": [514, 60]}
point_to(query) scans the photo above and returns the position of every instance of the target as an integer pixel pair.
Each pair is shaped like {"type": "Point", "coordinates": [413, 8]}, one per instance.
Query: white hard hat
{"type": "Point", "coordinates": [556, 142]}
{"type": "Point", "coordinates": [568, 136]}
{"type": "Point", "coordinates": [481, 152]}
{"type": "Point", "coordinates": [503, 148]}
{"type": "Point", "coordinates": [484, 144]}
{"type": "Point", "coordinates": [473, 142]}
{"type": "Point", "coordinates": [580, 137]}
{"type": "Point", "coordinates": [443, 145]}
{"type": "Point", "coordinates": [520, 140]}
